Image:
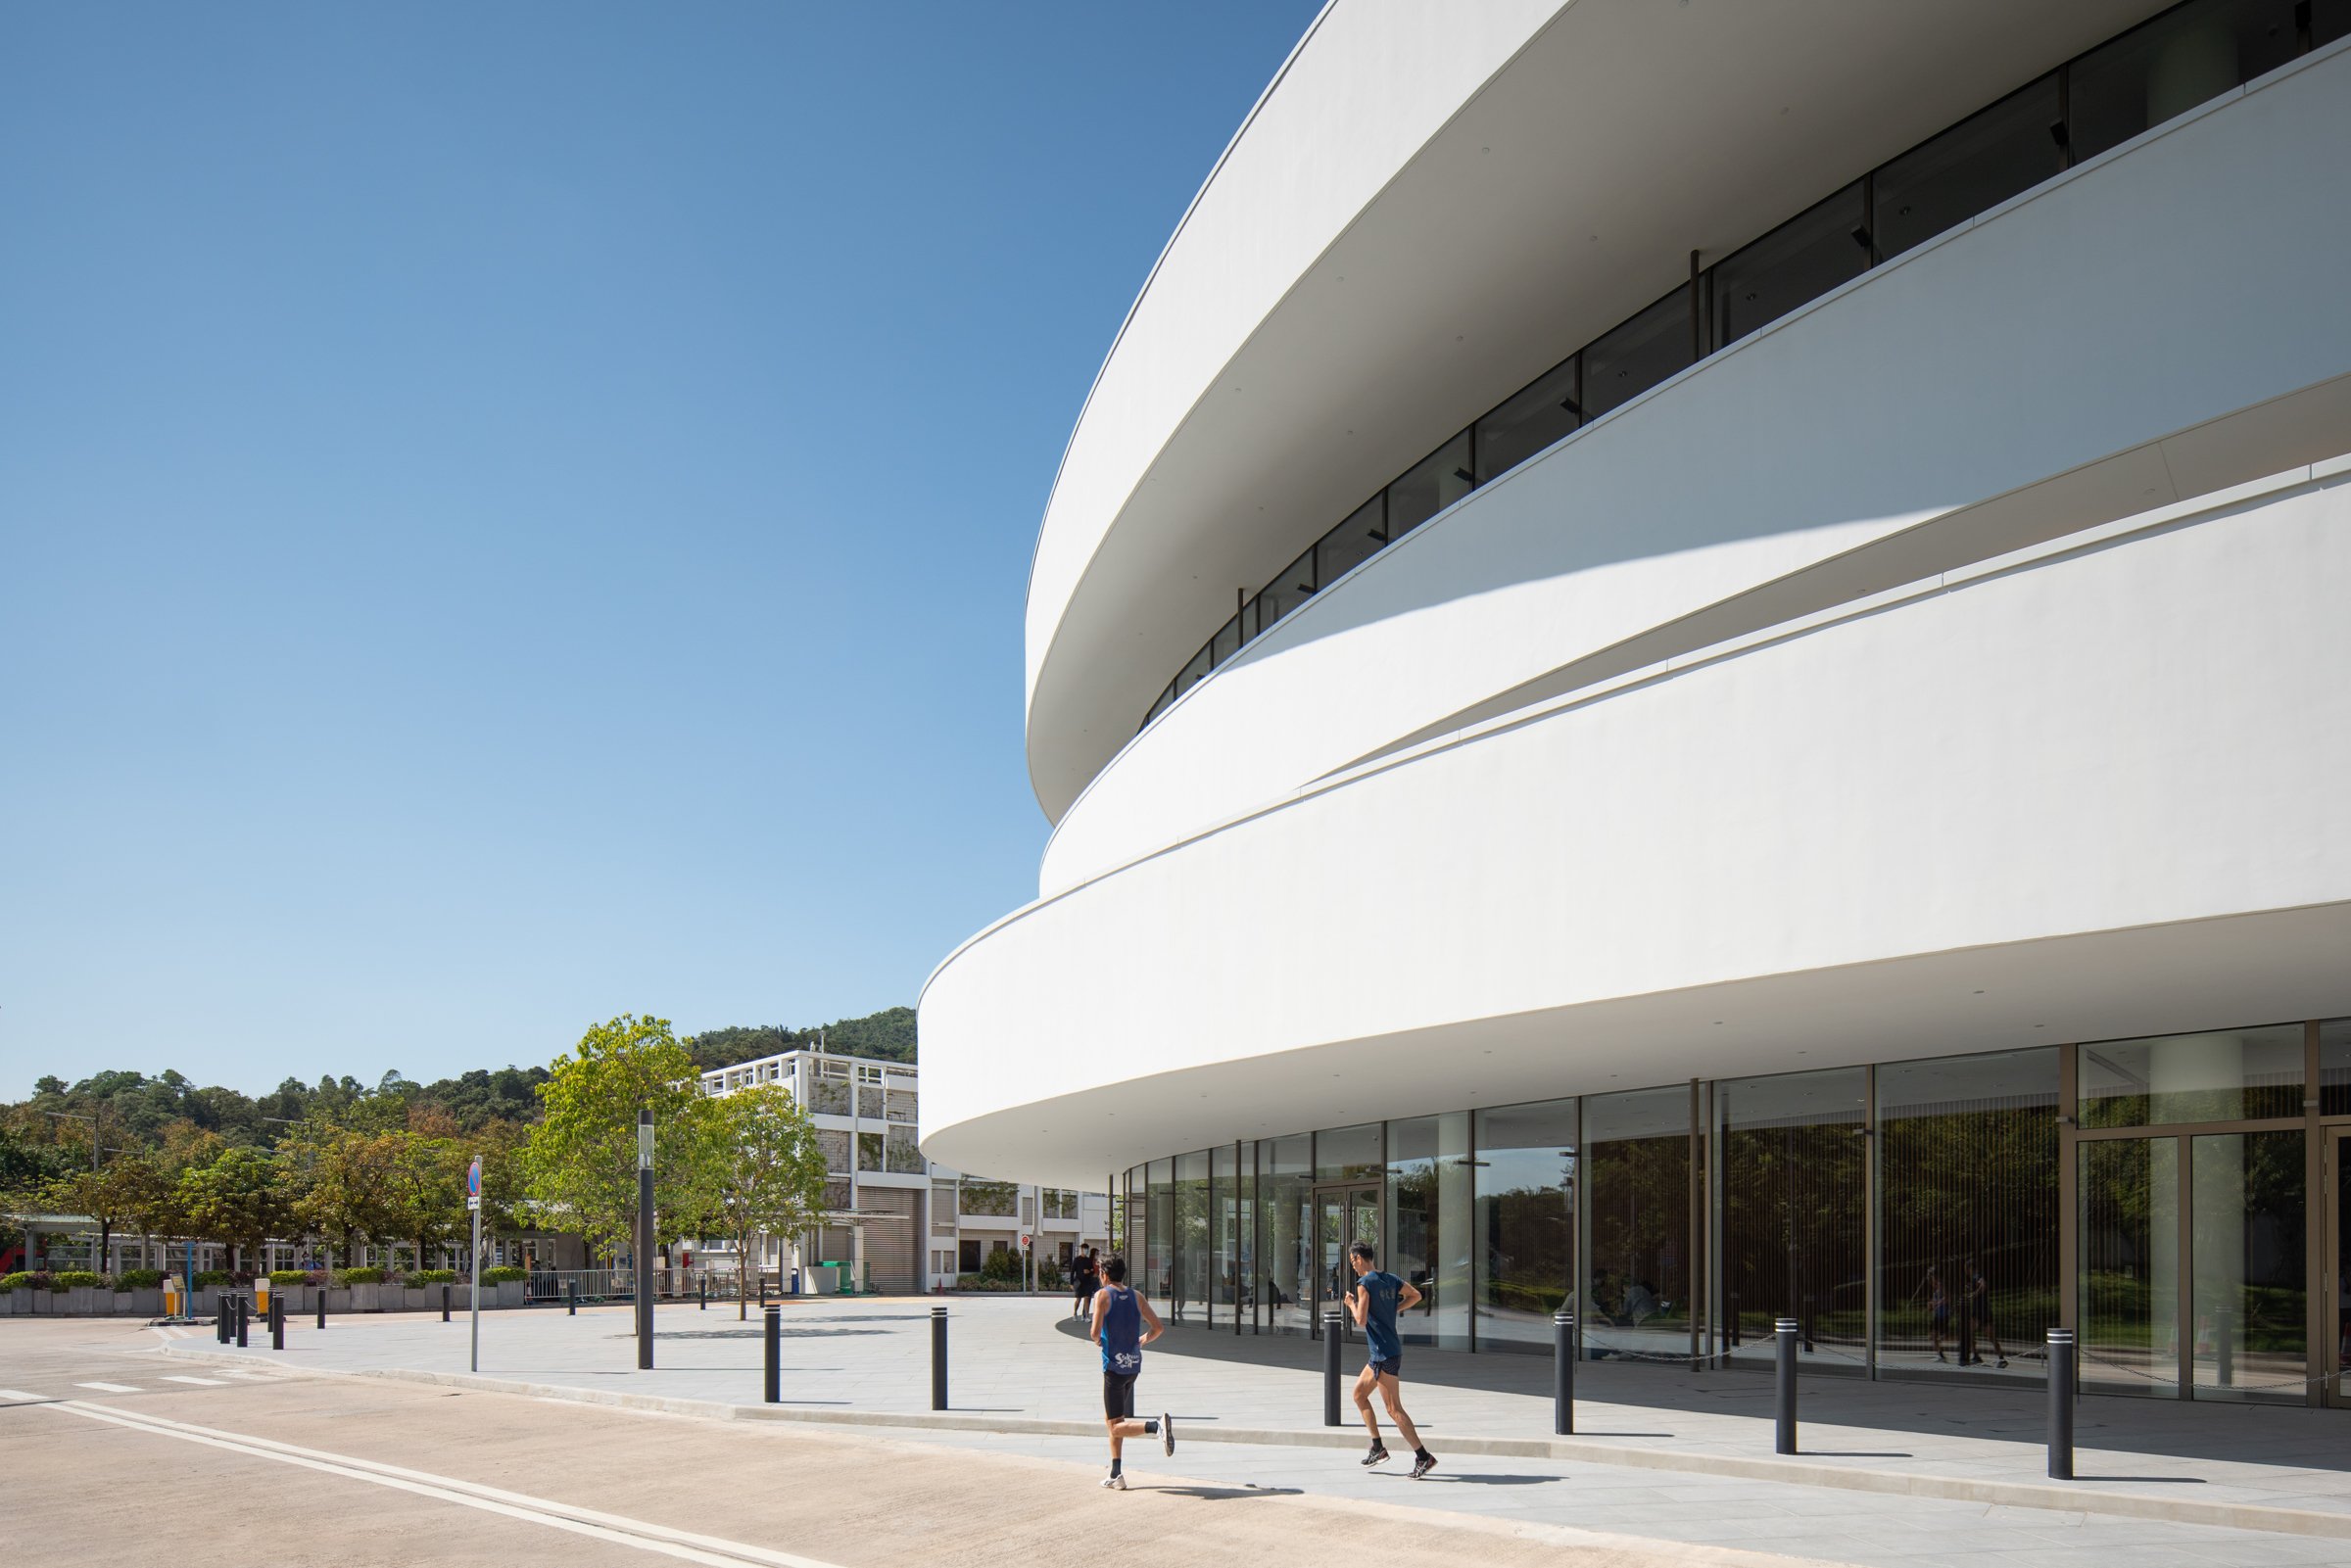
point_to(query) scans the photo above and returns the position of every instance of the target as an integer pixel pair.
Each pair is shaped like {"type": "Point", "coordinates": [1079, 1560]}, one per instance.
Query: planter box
{"type": "Point", "coordinates": [366, 1298]}
{"type": "Point", "coordinates": [80, 1301]}
{"type": "Point", "coordinates": [421, 1298]}
{"type": "Point", "coordinates": [338, 1301]}
{"type": "Point", "coordinates": [508, 1292]}
{"type": "Point", "coordinates": [147, 1303]}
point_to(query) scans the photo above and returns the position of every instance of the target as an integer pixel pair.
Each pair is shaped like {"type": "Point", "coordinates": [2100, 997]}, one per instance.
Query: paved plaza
{"type": "Point", "coordinates": [1893, 1473]}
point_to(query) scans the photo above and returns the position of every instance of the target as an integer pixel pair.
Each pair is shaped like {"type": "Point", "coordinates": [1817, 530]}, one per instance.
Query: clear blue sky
{"type": "Point", "coordinates": [510, 514]}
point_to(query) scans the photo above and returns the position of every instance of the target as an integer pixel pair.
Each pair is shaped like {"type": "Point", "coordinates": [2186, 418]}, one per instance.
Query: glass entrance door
{"type": "Point", "coordinates": [2191, 1268]}
{"type": "Point", "coordinates": [1343, 1217]}
{"type": "Point", "coordinates": [2338, 1282]}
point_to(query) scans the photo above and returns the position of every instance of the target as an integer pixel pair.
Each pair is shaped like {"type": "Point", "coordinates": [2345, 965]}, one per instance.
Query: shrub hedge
{"type": "Point", "coordinates": [289, 1276]}
{"type": "Point", "coordinates": [24, 1279]}
{"type": "Point", "coordinates": [214, 1276]}
{"type": "Point", "coordinates": [359, 1277]}
{"type": "Point", "coordinates": [417, 1278]}
{"type": "Point", "coordinates": [507, 1276]}
{"type": "Point", "coordinates": [76, 1279]}
{"type": "Point", "coordinates": [139, 1279]}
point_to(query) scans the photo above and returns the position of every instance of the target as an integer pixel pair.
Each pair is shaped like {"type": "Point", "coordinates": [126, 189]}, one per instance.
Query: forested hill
{"type": "Point", "coordinates": [888, 1034]}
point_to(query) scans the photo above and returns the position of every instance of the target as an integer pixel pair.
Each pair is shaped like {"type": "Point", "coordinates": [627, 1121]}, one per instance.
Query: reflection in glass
{"type": "Point", "coordinates": [2334, 1057]}
{"type": "Point", "coordinates": [1288, 1164]}
{"type": "Point", "coordinates": [1221, 1286]}
{"type": "Point", "coordinates": [1354, 540]}
{"type": "Point", "coordinates": [1428, 1210]}
{"type": "Point", "coordinates": [1638, 1284]}
{"type": "Point", "coordinates": [1187, 1293]}
{"type": "Point", "coordinates": [2172, 64]}
{"type": "Point", "coordinates": [1627, 360]}
{"type": "Point", "coordinates": [1525, 1222]}
{"type": "Point", "coordinates": [1159, 1229]}
{"type": "Point", "coordinates": [1967, 1161]}
{"type": "Point", "coordinates": [1226, 644]}
{"type": "Point", "coordinates": [1527, 423]}
{"type": "Point", "coordinates": [2246, 1208]}
{"type": "Point", "coordinates": [1348, 1154]}
{"type": "Point", "coordinates": [1291, 587]}
{"type": "Point", "coordinates": [1194, 669]}
{"type": "Point", "coordinates": [1796, 1204]}
{"type": "Point", "coordinates": [1432, 485]}
{"type": "Point", "coordinates": [2227, 1076]}
{"type": "Point", "coordinates": [1242, 1249]}
{"type": "Point", "coordinates": [2129, 1268]}
{"type": "Point", "coordinates": [1795, 263]}
{"type": "Point", "coordinates": [1970, 168]}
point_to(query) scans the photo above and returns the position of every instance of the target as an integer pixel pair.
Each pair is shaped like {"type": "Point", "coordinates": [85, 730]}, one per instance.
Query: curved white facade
{"type": "Point", "coordinates": [1958, 663]}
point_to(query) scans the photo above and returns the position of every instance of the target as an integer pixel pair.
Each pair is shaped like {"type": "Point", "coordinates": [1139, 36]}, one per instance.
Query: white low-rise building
{"type": "Point", "coordinates": [902, 1222]}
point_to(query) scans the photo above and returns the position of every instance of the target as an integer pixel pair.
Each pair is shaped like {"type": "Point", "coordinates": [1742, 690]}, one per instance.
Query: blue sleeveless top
{"type": "Point", "coordinates": [1121, 1332]}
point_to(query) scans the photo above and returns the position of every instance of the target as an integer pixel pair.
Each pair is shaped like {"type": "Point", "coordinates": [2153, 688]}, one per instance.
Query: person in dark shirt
{"type": "Point", "coordinates": [1084, 1279]}
{"type": "Point", "coordinates": [1122, 1324]}
{"type": "Point", "coordinates": [1373, 1302]}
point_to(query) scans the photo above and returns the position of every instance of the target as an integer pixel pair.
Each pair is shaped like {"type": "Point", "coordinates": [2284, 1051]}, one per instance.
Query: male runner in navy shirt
{"type": "Point", "coordinates": [1119, 1327]}
{"type": "Point", "coordinates": [1373, 1302]}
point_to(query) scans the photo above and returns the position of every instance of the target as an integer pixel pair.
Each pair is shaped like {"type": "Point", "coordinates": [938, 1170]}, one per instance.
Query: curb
{"type": "Point", "coordinates": [1788, 1472]}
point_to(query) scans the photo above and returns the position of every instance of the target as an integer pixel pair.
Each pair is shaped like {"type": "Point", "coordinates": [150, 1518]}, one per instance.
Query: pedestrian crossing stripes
{"type": "Point", "coordinates": [109, 1388]}
{"type": "Point", "coordinates": [176, 1377]}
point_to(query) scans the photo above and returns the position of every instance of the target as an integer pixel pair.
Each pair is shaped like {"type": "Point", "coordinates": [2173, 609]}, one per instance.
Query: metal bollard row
{"type": "Point", "coordinates": [1784, 1333]}
{"type": "Point", "coordinates": [1562, 1372]}
{"type": "Point", "coordinates": [774, 1390]}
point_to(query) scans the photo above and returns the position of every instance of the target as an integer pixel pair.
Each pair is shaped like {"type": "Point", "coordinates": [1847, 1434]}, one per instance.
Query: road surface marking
{"type": "Point", "coordinates": [251, 1377]}
{"type": "Point", "coordinates": [641, 1534]}
{"type": "Point", "coordinates": [179, 1377]}
{"type": "Point", "coordinates": [109, 1387]}
{"type": "Point", "coordinates": [18, 1394]}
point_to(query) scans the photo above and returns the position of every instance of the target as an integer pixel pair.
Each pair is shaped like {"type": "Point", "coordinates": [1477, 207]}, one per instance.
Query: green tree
{"type": "Point", "coordinates": [759, 1172]}
{"type": "Point", "coordinates": [580, 1165]}
{"type": "Point", "coordinates": [239, 1200]}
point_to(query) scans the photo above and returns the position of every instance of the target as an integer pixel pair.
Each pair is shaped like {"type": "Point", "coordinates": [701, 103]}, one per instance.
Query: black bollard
{"type": "Point", "coordinates": [774, 1355]}
{"type": "Point", "coordinates": [1563, 1371]}
{"type": "Point", "coordinates": [277, 1321]}
{"type": "Point", "coordinates": [2061, 1405]}
{"type": "Point", "coordinates": [1332, 1337]}
{"type": "Point", "coordinates": [321, 1306]}
{"type": "Point", "coordinates": [224, 1320]}
{"type": "Point", "coordinates": [445, 1303]}
{"type": "Point", "coordinates": [2224, 1348]}
{"type": "Point", "coordinates": [244, 1322]}
{"type": "Point", "coordinates": [571, 1293]}
{"type": "Point", "coordinates": [1784, 1334]}
{"type": "Point", "coordinates": [702, 1294]}
{"type": "Point", "coordinates": [939, 1357]}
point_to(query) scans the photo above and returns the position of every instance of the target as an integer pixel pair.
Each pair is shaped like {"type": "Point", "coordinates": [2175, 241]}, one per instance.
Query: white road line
{"type": "Point", "coordinates": [181, 1377]}
{"type": "Point", "coordinates": [16, 1393]}
{"type": "Point", "coordinates": [641, 1534]}
{"type": "Point", "coordinates": [250, 1377]}
{"type": "Point", "coordinates": [109, 1388]}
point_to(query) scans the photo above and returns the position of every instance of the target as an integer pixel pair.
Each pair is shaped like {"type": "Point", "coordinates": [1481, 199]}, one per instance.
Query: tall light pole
{"type": "Point", "coordinates": [644, 1239]}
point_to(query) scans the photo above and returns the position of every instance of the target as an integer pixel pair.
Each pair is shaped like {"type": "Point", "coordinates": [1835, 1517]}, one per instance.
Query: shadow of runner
{"type": "Point", "coordinates": [1224, 1493]}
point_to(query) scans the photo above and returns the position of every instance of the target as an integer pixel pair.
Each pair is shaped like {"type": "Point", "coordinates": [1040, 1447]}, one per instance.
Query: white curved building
{"type": "Point", "coordinates": [1697, 660]}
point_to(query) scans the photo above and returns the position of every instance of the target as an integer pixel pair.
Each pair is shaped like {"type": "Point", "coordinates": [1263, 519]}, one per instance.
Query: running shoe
{"type": "Point", "coordinates": [1114, 1482]}
{"type": "Point", "coordinates": [1423, 1465]}
{"type": "Point", "coordinates": [1166, 1432]}
{"type": "Point", "coordinates": [1377, 1455]}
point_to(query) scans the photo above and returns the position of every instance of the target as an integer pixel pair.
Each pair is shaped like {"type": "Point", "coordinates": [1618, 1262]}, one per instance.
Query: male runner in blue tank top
{"type": "Point", "coordinates": [1120, 1316]}
{"type": "Point", "coordinates": [1373, 1302]}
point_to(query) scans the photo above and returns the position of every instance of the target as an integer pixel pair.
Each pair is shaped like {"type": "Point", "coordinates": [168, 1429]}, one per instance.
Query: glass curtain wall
{"type": "Point", "coordinates": [1967, 1169]}
{"type": "Point", "coordinates": [1428, 1220]}
{"type": "Point", "coordinates": [1287, 1166]}
{"type": "Point", "coordinates": [2128, 1324]}
{"type": "Point", "coordinates": [1638, 1278]}
{"type": "Point", "coordinates": [1188, 1290]}
{"type": "Point", "coordinates": [1224, 1289]}
{"type": "Point", "coordinates": [1795, 1215]}
{"type": "Point", "coordinates": [1525, 1222]}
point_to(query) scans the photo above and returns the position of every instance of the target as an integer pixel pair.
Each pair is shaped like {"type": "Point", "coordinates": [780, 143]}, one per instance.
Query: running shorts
{"type": "Point", "coordinates": [1118, 1395]}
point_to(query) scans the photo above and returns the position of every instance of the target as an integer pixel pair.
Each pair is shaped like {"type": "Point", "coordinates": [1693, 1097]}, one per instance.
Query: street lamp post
{"type": "Point", "coordinates": [644, 1240]}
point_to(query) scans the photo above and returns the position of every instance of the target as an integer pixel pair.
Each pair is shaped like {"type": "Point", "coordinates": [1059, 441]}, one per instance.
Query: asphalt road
{"type": "Point", "coordinates": [112, 1454]}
